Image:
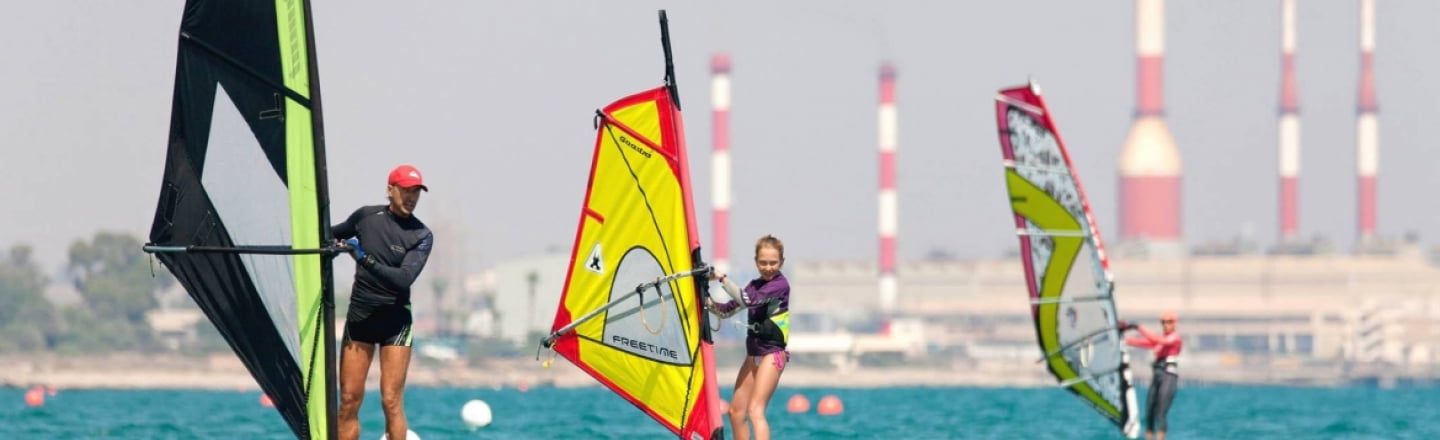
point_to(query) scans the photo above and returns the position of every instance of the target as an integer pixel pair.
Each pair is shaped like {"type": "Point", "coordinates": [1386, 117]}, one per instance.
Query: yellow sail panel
{"type": "Point", "coordinates": [633, 230]}
{"type": "Point", "coordinates": [1047, 214]}
{"type": "Point", "coordinates": [643, 119]}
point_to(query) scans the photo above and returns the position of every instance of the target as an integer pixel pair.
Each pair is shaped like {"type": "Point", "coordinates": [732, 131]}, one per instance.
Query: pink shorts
{"type": "Point", "coordinates": [781, 357]}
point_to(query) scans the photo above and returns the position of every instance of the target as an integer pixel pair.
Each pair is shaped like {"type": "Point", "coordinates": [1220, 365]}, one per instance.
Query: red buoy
{"type": "Point", "coordinates": [35, 397]}
{"type": "Point", "coordinates": [798, 404]}
{"type": "Point", "coordinates": [830, 405]}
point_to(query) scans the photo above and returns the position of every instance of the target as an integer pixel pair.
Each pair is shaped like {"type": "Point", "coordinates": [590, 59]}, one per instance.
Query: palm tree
{"type": "Point", "coordinates": [533, 278]}
{"type": "Point", "coordinates": [439, 284]}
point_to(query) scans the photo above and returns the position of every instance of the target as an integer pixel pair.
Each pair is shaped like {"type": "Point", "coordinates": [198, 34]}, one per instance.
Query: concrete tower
{"type": "Point", "coordinates": [1150, 162]}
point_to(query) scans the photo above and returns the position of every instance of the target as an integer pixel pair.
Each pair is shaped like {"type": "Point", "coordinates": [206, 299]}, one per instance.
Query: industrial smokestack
{"type": "Point", "coordinates": [1367, 127]}
{"type": "Point", "coordinates": [889, 219]}
{"type": "Point", "coordinates": [1150, 161]}
{"type": "Point", "coordinates": [1289, 128]}
{"type": "Point", "coordinates": [720, 161]}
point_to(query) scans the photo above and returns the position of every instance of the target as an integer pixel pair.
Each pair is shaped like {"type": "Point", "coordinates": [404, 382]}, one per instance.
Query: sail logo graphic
{"type": "Point", "coordinates": [645, 347]}
{"type": "Point", "coordinates": [595, 263]}
{"type": "Point", "coordinates": [628, 143]}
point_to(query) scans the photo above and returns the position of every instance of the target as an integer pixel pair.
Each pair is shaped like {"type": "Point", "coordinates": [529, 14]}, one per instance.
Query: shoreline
{"type": "Point", "coordinates": [474, 377]}
{"type": "Point", "coordinates": [225, 372]}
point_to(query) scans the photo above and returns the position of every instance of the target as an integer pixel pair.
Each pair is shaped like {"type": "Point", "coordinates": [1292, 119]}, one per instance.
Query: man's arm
{"type": "Point", "coordinates": [1139, 342]}
{"type": "Point", "coordinates": [414, 262]}
{"type": "Point", "coordinates": [346, 229]}
{"type": "Point", "coordinates": [1149, 336]}
{"type": "Point", "coordinates": [1174, 340]}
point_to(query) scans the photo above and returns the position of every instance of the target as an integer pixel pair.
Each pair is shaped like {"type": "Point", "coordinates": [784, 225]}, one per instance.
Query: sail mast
{"type": "Point", "coordinates": [327, 267]}
{"type": "Point", "coordinates": [709, 392]}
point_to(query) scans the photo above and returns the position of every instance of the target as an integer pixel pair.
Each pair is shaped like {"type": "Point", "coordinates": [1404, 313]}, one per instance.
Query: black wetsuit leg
{"type": "Point", "coordinates": [385, 325]}
{"type": "Point", "coordinates": [1162, 393]}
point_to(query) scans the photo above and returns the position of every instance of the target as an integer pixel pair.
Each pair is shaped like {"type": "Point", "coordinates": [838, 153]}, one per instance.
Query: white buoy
{"type": "Point", "coordinates": [409, 435]}
{"type": "Point", "coordinates": [476, 414]}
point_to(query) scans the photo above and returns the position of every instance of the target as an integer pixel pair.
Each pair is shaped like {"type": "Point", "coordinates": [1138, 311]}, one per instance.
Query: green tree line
{"type": "Point", "coordinates": [117, 284]}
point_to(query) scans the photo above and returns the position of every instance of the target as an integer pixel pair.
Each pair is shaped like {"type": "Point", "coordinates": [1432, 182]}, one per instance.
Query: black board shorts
{"type": "Point", "coordinates": [387, 325]}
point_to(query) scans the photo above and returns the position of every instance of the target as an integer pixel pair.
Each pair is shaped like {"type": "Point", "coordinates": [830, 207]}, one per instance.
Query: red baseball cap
{"type": "Point", "coordinates": [406, 176]}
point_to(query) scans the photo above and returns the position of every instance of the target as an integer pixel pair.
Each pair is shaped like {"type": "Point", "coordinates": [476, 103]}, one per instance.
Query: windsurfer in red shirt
{"type": "Point", "coordinates": [1166, 348]}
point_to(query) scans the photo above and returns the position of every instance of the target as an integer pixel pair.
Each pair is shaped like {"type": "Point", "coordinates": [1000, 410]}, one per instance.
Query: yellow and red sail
{"type": "Point", "coordinates": [637, 224]}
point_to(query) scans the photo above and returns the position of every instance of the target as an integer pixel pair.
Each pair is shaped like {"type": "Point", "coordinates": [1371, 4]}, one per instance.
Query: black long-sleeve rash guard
{"type": "Point", "coordinates": [401, 247]}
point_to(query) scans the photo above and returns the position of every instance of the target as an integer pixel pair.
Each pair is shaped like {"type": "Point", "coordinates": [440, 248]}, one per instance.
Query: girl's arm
{"type": "Point", "coordinates": [725, 310]}
{"type": "Point", "coordinates": [728, 308]}
{"type": "Point", "coordinates": [730, 288]}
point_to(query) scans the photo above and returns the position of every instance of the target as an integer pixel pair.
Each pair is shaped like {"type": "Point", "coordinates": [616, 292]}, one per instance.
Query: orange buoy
{"type": "Point", "coordinates": [51, 390]}
{"type": "Point", "coordinates": [798, 404]}
{"type": "Point", "coordinates": [829, 406]}
{"type": "Point", "coordinates": [522, 386]}
{"type": "Point", "coordinates": [265, 401]}
{"type": "Point", "coordinates": [35, 397]}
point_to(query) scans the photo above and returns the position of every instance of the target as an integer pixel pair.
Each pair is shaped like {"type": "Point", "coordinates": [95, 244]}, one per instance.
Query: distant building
{"type": "Point", "coordinates": [1343, 308]}
{"type": "Point", "coordinates": [174, 328]}
{"type": "Point", "coordinates": [509, 304]}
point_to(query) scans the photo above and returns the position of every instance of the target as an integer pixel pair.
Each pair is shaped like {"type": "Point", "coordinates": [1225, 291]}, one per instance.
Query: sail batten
{"type": "Point", "coordinates": [1037, 301]}
{"type": "Point", "coordinates": [301, 99]}
{"type": "Point", "coordinates": [1066, 270]}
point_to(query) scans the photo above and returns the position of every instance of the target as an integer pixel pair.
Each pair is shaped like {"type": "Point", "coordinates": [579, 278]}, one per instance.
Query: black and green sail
{"type": "Point", "coordinates": [243, 215]}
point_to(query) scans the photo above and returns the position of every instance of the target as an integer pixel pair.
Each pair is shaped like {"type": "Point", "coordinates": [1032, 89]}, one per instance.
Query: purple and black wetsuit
{"type": "Point", "coordinates": [769, 318]}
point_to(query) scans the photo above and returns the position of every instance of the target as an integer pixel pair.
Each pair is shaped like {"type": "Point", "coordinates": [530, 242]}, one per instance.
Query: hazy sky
{"type": "Point", "coordinates": [493, 101]}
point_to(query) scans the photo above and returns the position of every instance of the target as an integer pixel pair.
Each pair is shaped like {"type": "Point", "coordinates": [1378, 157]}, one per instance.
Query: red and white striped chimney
{"type": "Point", "coordinates": [1150, 161]}
{"type": "Point", "coordinates": [720, 161]}
{"type": "Point", "coordinates": [1367, 127]}
{"type": "Point", "coordinates": [889, 219]}
{"type": "Point", "coordinates": [1289, 128]}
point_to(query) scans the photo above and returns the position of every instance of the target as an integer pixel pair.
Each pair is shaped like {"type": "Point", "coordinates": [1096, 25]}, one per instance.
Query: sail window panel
{"type": "Point", "coordinates": [654, 330]}
{"type": "Point", "coordinates": [254, 202]}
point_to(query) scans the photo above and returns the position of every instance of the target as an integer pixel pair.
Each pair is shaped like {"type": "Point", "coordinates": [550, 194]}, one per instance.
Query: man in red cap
{"type": "Point", "coordinates": [1166, 379]}
{"type": "Point", "coordinates": [390, 247]}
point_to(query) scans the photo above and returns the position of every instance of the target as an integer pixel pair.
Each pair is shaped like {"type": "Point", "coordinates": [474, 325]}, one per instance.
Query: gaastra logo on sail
{"type": "Point", "coordinates": [638, 149]}
{"type": "Point", "coordinates": [643, 346]}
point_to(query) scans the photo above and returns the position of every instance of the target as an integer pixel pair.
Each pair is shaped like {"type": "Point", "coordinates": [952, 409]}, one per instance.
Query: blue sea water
{"type": "Point", "coordinates": [1214, 412]}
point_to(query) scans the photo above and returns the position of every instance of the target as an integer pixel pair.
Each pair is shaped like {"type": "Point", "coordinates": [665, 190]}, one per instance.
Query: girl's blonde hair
{"type": "Point", "coordinates": [770, 241]}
